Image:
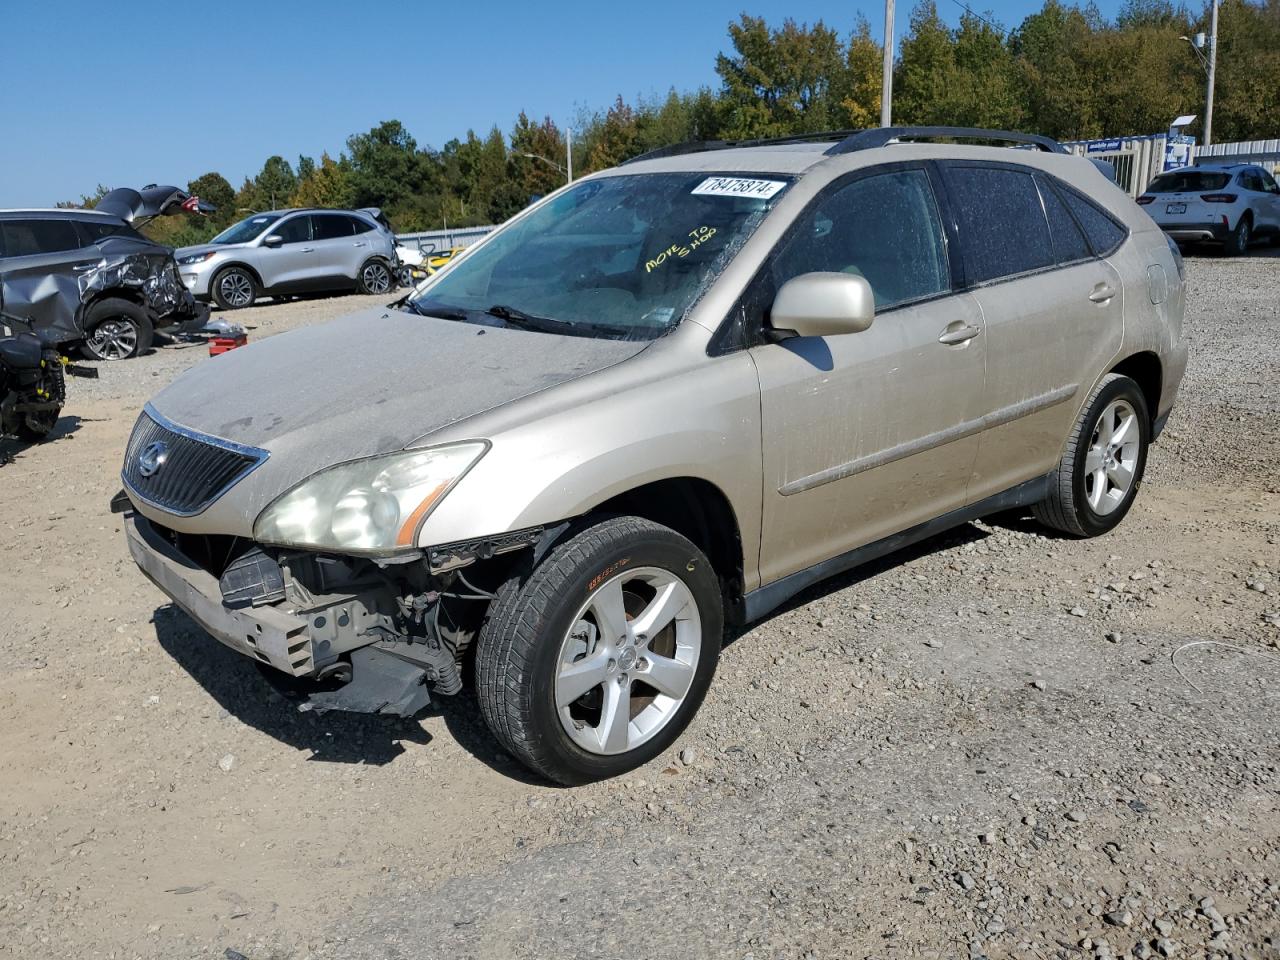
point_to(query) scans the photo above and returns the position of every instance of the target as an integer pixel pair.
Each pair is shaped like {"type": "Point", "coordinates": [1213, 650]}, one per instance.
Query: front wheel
{"type": "Point", "coordinates": [1102, 464]}
{"type": "Point", "coordinates": [375, 278]}
{"type": "Point", "coordinates": [234, 288]}
{"type": "Point", "coordinates": [595, 661]}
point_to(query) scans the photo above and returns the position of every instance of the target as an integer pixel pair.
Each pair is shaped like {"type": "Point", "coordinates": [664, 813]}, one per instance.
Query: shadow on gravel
{"type": "Point", "coordinates": [11, 449]}
{"type": "Point", "coordinates": [958, 536]}
{"type": "Point", "coordinates": [245, 692]}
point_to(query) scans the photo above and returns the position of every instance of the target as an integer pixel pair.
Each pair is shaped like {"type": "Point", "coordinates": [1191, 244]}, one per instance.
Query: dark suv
{"type": "Point", "coordinates": [91, 279]}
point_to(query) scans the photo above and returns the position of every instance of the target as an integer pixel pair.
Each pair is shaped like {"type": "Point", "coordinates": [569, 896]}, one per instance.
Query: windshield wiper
{"type": "Point", "coordinates": [446, 313]}
{"type": "Point", "coordinates": [527, 321]}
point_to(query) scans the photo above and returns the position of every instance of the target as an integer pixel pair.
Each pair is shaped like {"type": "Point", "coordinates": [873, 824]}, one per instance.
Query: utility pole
{"type": "Point", "coordinates": [1213, 70]}
{"type": "Point", "coordinates": [568, 151]}
{"type": "Point", "coordinates": [886, 85]}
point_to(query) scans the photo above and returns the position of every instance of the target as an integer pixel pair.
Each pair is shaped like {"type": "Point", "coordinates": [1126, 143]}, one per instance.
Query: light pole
{"type": "Point", "coordinates": [535, 156]}
{"type": "Point", "coordinates": [1210, 65]}
{"type": "Point", "coordinates": [886, 83]}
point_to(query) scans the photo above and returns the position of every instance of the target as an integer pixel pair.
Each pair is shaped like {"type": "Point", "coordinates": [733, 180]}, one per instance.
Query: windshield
{"type": "Point", "coordinates": [623, 256]}
{"type": "Point", "coordinates": [1188, 181]}
{"type": "Point", "coordinates": [246, 230]}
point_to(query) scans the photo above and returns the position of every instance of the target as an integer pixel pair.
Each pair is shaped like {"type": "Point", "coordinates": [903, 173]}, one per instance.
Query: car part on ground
{"type": "Point", "coordinates": [58, 266]}
{"type": "Point", "coordinates": [32, 380]}
{"type": "Point", "coordinates": [1231, 203]}
{"type": "Point", "coordinates": [665, 398]}
{"type": "Point", "coordinates": [282, 253]}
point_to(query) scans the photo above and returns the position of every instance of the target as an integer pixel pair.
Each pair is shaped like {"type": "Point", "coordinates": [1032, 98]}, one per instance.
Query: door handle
{"type": "Point", "coordinates": [308, 250]}
{"type": "Point", "coordinates": [958, 336]}
{"type": "Point", "coordinates": [361, 243]}
{"type": "Point", "coordinates": [1102, 293]}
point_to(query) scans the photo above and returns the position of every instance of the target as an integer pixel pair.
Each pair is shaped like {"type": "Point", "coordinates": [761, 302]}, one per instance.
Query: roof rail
{"type": "Point", "coordinates": [701, 146]}
{"type": "Point", "coordinates": [881, 136]}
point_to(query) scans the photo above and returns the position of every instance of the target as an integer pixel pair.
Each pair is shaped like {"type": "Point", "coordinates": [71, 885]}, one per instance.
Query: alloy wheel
{"type": "Point", "coordinates": [628, 661]}
{"type": "Point", "coordinates": [376, 278]}
{"type": "Point", "coordinates": [236, 289]}
{"type": "Point", "coordinates": [1111, 462]}
{"type": "Point", "coordinates": [113, 340]}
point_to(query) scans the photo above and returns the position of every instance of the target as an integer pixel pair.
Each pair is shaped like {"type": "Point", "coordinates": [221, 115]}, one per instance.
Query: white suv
{"type": "Point", "coordinates": [1230, 202]}
{"type": "Point", "coordinates": [289, 252]}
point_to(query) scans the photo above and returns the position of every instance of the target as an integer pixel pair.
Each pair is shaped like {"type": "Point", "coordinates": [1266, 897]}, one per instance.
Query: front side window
{"type": "Point", "coordinates": [294, 230]}
{"type": "Point", "coordinates": [621, 256]}
{"type": "Point", "coordinates": [247, 229]}
{"type": "Point", "coordinates": [1268, 182]}
{"type": "Point", "coordinates": [884, 228]}
{"type": "Point", "coordinates": [1002, 222]}
{"type": "Point", "coordinates": [27, 238]}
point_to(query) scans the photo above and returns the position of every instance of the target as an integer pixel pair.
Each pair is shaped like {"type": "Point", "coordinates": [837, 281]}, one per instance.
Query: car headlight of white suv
{"type": "Point", "coordinates": [372, 506]}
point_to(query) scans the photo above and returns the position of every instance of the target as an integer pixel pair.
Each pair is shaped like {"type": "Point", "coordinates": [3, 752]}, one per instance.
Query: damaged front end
{"type": "Point", "coordinates": [377, 637]}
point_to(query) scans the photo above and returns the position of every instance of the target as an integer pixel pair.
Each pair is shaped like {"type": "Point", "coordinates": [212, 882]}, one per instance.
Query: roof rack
{"type": "Point", "coordinates": [849, 141]}
{"type": "Point", "coordinates": [880, 136]}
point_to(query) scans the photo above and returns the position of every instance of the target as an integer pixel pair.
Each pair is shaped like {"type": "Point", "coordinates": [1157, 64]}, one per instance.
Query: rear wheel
{"type": "Point", "coordinates": [116, 329]}
{"type": "Point", "coordinates": [234, 288]}
{"type": "Point", "coordinates": [1101, 469]}
{"type": "Point", "coordinates": [375, 277]}
{"type": "Point", "coordinates": [1238, 241]}
{"type": "Point", "coordinates": [594, 662]}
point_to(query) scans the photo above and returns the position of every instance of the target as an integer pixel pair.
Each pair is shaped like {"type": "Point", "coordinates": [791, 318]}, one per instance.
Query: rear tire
{"type": "Point", "coordinates": [1095, 483]}
{"type": "Point", "coordinates": [116, 329]}
{"type": "Point", "coordinates": [375, 278]}
{"type": "Point", "coordinates": [234, 288]}
{"type": "Point", "coordinates": [564, 651]}
{"type": "Point", "coordinates": [1238, 242]}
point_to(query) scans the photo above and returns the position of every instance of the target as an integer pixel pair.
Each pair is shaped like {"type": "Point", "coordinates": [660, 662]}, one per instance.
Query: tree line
{"type": "Point", "coordinates": [1065, 71]}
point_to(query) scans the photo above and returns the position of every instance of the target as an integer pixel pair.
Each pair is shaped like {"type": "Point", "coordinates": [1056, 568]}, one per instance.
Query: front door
{"type": "Point", "coordinates": [290, 265]}
{"type": "Point", "coordinates": [869, 433]}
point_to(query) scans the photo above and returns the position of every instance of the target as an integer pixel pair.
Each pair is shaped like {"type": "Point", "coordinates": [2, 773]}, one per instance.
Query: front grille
{"type": "Point", "coordinates": [193, 469]}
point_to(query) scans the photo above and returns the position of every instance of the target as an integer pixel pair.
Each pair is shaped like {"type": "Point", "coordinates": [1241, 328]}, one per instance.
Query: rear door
{"type": "Point", "coordinates": [338, 249]}
{"type": "Point", "coordinates": [1052, 304]}
{"type": "Point", "coordinates": [869, 433]}
{"type": "Point", "coordinates": [41, 264]}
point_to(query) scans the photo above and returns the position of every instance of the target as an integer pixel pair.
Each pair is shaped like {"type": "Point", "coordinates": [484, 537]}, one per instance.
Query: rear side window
{"type": "Point", "coordinates": [1103, 232]}
{"type": "Point", "coordinates": [1002, 223]}
{"type": "Point", "coordinates": [1251, 181]}
{"type": "Point", "coordinates": [884, 228]}
{"type": "Point", "coordinates": [330, 226]}
{"type": "Point", "coordinates": [1069, 244]}
{"type": "Point", "coordinates": [95, 230]}
{"type": "Point", "coordinates": [26, 238]}
{"type": "Point", "coordinates": [360, 226]}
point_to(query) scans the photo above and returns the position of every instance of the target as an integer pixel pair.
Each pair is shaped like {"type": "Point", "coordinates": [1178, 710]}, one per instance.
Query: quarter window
{"type": "Point", "coordinates": [1069, 244]}
{"type": "Point", "coordinates": [360, 226]}
{"type": "Point", "coordinates": [1103, 232]}
{"type": "Point", "coordinates": [27, 238]}
{"type": "Point", "coordinates": [1002, 222]}
{"type": "Point", "coordinates": [883, 227]}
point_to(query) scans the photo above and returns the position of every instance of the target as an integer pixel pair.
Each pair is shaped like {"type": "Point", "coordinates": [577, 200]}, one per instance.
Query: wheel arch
{"type": "Point", "coordinates": [697, 509]}
{"type": "Point", "coordinates": [131, 294]}
{"type": "Point", "coordinates": [1147, 371]}
{"type": "Point", "coordinates": [248, 268]}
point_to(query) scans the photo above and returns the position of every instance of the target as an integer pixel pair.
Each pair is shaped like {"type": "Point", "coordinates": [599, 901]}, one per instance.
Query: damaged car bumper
{"type": "Point", "coordinates": [345, 638]}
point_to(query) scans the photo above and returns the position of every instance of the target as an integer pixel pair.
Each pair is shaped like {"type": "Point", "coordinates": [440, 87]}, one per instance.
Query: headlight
{"type": "Point", "coordinates": [197, 258]}
{"type": "Point", "coordinates": [367, 506]}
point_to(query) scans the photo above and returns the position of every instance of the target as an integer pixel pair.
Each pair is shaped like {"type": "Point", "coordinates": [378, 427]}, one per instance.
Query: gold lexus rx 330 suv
{"type": "Point", "coordinates": [661, 400]}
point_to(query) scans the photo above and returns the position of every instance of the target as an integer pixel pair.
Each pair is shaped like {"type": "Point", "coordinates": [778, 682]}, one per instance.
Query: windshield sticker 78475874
{"type": "Point", "coordinates": [738, 187]}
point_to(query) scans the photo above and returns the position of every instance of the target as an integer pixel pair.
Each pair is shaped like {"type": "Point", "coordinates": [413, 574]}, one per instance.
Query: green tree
{"type": "Point", "coordinates": [387, 169]}
{"type": "Point", "coordinates": [926, 69]}
{"type": "Point", "coordinates": [864, 61]}
{"type": "Point", "coordinates": [326, 185]}
{"type": "Point", "coordinates": [213, 188]}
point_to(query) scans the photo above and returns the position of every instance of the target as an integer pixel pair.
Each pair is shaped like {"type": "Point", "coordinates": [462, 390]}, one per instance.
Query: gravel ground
{"type": "Point", "coordinates": [996, 744]}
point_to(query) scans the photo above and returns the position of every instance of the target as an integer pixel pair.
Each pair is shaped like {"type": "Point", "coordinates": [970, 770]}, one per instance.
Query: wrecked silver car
{"type": "Point", "coordinates": [90, 279]}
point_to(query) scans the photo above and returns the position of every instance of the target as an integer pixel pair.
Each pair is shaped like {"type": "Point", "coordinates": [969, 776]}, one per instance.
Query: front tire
{"type": "Point", "coordinates": [234, 288]}
{"type": "Point", "coordinates": [116, 329]}
{"type": "Point", "coordinates": [593, 662]}
{"type": "Point", "coordinates": [1102, 464]}
{"type": "Point", "coordinates": [375, 278]}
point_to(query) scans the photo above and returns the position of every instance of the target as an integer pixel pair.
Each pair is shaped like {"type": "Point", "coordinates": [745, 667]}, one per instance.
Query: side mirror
{"type": "Point", "coordinates": [273, 240]}
{"type": "Point", "coordinates": [823, 305]}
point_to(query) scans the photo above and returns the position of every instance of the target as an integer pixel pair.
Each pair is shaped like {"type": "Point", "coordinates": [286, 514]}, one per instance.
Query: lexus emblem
{"type": "Point", "coordinates": [152, 458]}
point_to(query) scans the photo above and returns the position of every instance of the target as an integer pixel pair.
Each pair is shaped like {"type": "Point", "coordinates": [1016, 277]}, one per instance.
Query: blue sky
{"type": "Point", "coordinates": [136, 91]}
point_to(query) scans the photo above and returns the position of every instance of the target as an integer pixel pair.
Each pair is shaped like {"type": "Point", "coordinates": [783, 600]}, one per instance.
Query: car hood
{"type": "Point", "coordinates": [370, 383]}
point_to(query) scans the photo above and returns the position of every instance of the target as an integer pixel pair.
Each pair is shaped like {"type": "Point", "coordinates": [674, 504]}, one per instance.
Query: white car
{"type": "Point", "coordinates": [1228, 202]}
